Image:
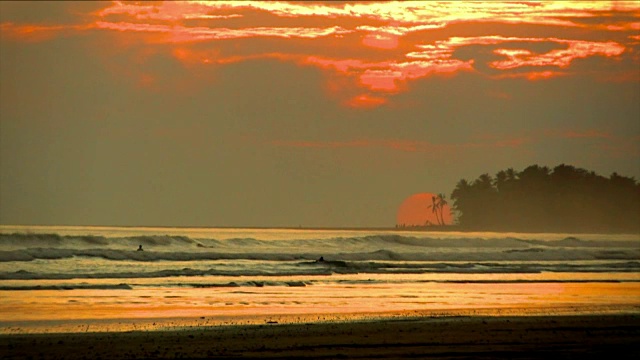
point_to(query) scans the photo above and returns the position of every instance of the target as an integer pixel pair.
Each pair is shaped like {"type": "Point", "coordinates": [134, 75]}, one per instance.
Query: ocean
{"type": "Point", "coordinates": [53, 277]}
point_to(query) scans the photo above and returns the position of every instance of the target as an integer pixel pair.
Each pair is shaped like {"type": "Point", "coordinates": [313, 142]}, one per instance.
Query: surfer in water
{"type": "Point", "coordinates": [140, 248]}
{"type": "Point", "coordinates": [321, 259]}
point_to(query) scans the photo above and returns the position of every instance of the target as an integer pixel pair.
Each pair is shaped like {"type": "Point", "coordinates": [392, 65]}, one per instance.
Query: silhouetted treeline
{"type": "Point", "coordinates": [539, 199]}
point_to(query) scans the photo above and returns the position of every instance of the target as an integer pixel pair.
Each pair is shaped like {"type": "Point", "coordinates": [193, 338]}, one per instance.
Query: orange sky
{"type": "Point", "coordinates": [378, 47]}
{"type": "Point", "coordinates": [299, 92]}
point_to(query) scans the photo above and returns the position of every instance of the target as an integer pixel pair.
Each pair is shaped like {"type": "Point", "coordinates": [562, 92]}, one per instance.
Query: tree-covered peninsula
{"type": "Point", "coordinates": [539, 199]}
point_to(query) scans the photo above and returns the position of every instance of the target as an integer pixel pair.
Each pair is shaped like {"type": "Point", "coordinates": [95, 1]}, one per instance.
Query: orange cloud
{"type": "Point", "coordinates": [444, 49]}
{"type": "Point", "coordinates": [189, 56]}
{"type": "Point", "coordinates": [167, 11]}
{"type": "Point", "coordinates": [561, 13]}
{"type": "Point", "coordinates": [561, 58]}
{"type": "Point", "coordinates": [438, 58]}
{"type": "Point", "coordinates": [623, 26]}
{"type": "Point", "coordinates": [36, 33]}
{"type": "Point", "coordinates": [397, 30]}
{"type": "Point", "coordinates": [179, 34]}
{"type": "Point", "coordinates": [381, 41]}
{"type": "Point", "coordinates": [532, 75]}
{"type": "Point", "coordinates": [386, 76]}
{"type": "Point", "coordinates": [384, 40]}
{"type": "Point", "coordinates": [381, 80]}
{"type": "Point", "coordinates": [404, 145]}
{"type": "Point", "coordinates": [365, 101]}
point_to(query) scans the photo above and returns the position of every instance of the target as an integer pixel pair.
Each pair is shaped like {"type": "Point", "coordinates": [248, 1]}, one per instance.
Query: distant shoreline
{"type": "Point", "coordinates": [417, 229]}
{"type": "Point", "coordinates": [310, 228]}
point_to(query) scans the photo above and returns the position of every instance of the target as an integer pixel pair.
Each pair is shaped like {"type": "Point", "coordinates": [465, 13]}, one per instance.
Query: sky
{"type": "Point", "coordinates": [313, 114]}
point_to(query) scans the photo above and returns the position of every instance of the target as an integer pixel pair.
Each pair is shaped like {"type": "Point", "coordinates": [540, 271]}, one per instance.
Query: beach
{"type": "Point", "coordinates": [87, 293]}
{"type": "Point", "coordinates": [398, 337]}
{"type": "Point", "coordinates": [319, 180]}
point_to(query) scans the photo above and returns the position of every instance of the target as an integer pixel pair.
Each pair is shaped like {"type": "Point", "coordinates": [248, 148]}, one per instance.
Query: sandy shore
{"type": "Point", "coordinates": [447, 337]}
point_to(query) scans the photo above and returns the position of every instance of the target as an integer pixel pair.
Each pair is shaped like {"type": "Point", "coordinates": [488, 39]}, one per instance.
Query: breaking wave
{"type": "Point", "coordinates": [67, 287]}
{"type": "Point", "coordinates": [38, 240]}
{"type": "Point", "coordinates": [42, 256]}
{"type": "Point", "coordinates": [485, 254]}
{"type": "Point", "coordinates": [312, 268]}
{"type": "Point", "coordinates": [29, 247]}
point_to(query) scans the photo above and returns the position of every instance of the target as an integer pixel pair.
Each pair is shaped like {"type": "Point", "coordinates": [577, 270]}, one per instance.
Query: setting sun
{"type": "Point", "coordinates": [416, 210]}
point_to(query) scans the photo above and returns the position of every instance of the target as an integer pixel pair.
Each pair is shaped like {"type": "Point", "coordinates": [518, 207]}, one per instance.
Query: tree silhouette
{"type": "Point", "coordinates": [441, 201]}
{"type": "Point", "coordinates": [434, 208]}
{"type": "Point", "coordinates": [437, 207]}
{"type": "Point", "coordinates": [565, 198]}
{"type": "Point", "coordinates": [462, 206]}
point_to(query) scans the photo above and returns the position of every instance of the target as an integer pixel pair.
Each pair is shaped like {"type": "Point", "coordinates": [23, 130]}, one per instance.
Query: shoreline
{"type": "Point", "coordinates": [179, 323]}
{"type": "Point", "coordinates": [442, 337]}
{"type": "Point", "coordinates": [417, 229]}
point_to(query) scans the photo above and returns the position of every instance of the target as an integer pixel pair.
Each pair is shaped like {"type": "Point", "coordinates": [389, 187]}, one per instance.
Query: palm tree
{"type": "Point", "coordinates": [441, 200]}
{"type": "Point", "coordinates": [434, 208]}
{"type": "Point", "coordinates": [437, 207]}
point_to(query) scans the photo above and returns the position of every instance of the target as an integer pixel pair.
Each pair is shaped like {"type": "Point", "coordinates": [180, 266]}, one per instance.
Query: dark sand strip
{"type": "Point", "coordinates": [473, 337]}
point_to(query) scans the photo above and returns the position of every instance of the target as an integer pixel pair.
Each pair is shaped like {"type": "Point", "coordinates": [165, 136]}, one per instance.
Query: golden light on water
{"type": "Point", "coordinates": [350, 296]}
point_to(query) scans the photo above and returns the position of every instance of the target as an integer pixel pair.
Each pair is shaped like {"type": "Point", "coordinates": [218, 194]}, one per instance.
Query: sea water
{"type": "Point", "coordinates": [54, 273]}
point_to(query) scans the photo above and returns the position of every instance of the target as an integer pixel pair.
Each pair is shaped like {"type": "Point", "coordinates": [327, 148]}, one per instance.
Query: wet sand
{"type": "Point", "coordinates": [442, 337]}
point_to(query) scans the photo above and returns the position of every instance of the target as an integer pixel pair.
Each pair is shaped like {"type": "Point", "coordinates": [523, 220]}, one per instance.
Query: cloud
{"type": "Point", "coordinates": [614, 146]}
{"type": "Point", "coordinates": [365, 101]}
{"type": "Point", "coordinates": [411, 146]}
{"type": "Point", "coordinates": [444, 49]}
{"type": "Point", "coordinates": [576, 49]}
{"type": "Point", "coordinates": [36, 32]}
{"type": "Point", "coordinates": [387, 76]}
{"type": "Point", "coordinates": [181, 34]}
{"type": "Point", "coordinates": [386, 45]}
{"type": "Point", "coordinates": [381, 41]}
{"type": "Point", "coordinates": [559, 13]}
{"type": "Point", "coordinates": [166, 11]}
{"type": "Point", "coordinates": [532, 75]}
